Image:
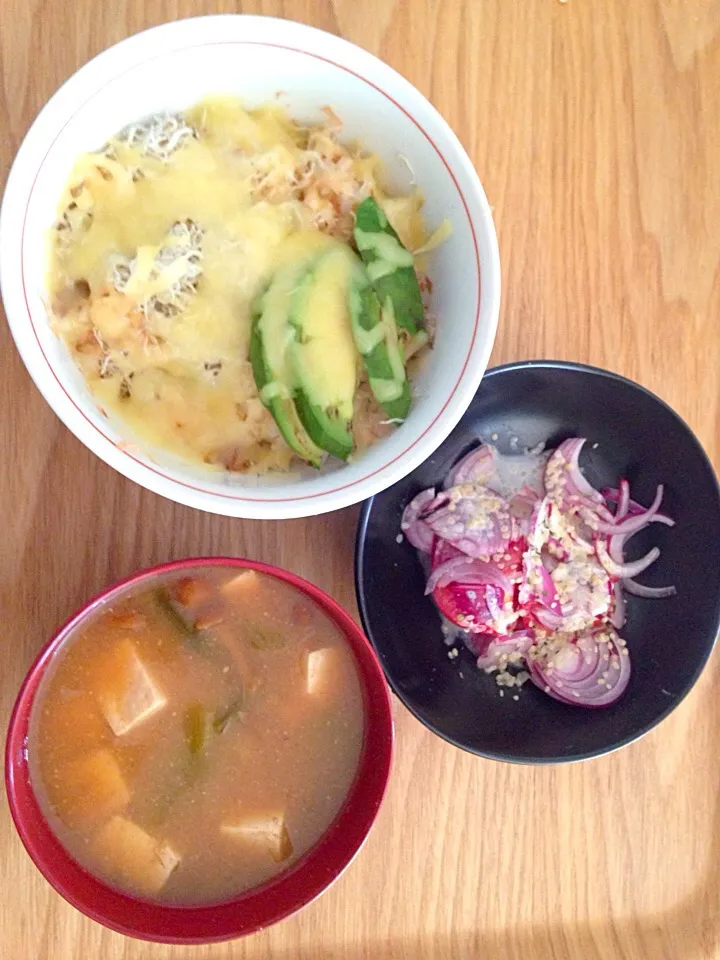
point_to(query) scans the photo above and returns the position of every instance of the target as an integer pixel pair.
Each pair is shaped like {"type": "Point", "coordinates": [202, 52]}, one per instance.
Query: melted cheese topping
{"type": "Point", "coordinates": [160, 249]}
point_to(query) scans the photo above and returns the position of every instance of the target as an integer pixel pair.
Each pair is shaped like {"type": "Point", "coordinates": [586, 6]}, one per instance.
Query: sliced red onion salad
{"type": "Point", "coordinates": [535, 575]}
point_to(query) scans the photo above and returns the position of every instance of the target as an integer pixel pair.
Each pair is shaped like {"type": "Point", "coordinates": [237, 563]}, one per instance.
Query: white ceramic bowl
{"type": "Point", "coordinates": [171, 67]}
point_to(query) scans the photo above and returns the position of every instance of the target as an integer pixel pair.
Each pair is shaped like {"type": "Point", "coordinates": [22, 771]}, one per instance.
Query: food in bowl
{"type": "Point", "coordinates": [163, 71]}
{"type": "Point", "coordinates": [198, 736]}
{"type": "Point", "coordinates": [535, 405]}
{"type": "Point", "coordinates": [241, 289]}
{"type": "Point", "coordinates": [526, 565]}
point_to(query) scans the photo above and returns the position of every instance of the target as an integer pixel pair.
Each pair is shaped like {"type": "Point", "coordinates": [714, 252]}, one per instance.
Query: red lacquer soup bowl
{"type": "Point", "coordinates": [255, 908]}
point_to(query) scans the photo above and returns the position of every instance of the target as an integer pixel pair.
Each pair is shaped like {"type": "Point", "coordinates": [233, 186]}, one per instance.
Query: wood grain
{"type": "Point", "coordinates": [594, 126]}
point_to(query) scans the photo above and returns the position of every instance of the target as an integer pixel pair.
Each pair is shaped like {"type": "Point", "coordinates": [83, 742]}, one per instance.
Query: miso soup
{"type": "Point", "coordinates": [198, 736]}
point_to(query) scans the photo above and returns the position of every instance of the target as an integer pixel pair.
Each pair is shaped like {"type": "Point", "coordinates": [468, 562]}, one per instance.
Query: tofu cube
{"type": "Point", "coordinates": [243, 587]}
{"type": "Point", "coordinates": [321, 671]}
{"type": "Point", "coordinates": [96, 789]}
{"type": "Point", "coordinates": [133, 857]}
{"type": "Point", "coordinates": [263, 832]}
{"type": "Point", "coordinates": [129, 696]}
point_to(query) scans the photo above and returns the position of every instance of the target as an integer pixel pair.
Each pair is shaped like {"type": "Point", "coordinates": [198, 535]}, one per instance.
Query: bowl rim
{"type": "Point", "coordinates": [500, 756]}
{"type": "Point", "coordinates": [73, 410]}
{"type": "Point", "coordinates": [259, 906]}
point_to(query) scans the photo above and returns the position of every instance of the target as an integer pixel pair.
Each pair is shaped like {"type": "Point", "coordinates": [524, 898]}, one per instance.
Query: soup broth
{"type": "Point", "coordinates": [198, 736]}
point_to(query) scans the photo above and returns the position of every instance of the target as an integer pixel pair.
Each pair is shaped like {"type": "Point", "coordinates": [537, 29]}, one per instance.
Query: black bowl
{"type": "Point", "coordinates": [631, 434]}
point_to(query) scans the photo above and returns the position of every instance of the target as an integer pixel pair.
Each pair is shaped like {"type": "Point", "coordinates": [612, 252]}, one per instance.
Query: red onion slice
{"type": "Point", "coordinates": [616, 543]}
{"type": "Point", "coordinates": [565, 481]}
{"type": "Point", "coordinates": [636, 522]}
{"type": "Point", "coordinates": [616, 549]}
{"type": "Point", "coordinates": [624, 570]}
{"type": "Point", "coordinates": [476, 520]}
{"type": "Point", "coordinates": [595, 677]}
{"type": "Point", "coordinates": [592, 655]}
{"type": "Point", "coordinates": [650, 593]}
{"type": "Point", "coordinates": [619, 610]}
{"type": "Point", "coordinates": [467, 571]}
{"type": "Point", "coordinates": [412, 525]}
{"type": "Point", "coordinates": [662, 518]}
{"type": "Point", "coordinates": [476, 467]}
{"type": "Point", "coordinates": [613, 496]}
{"type": "Point", "coordinates": [518, 642]}
{"type": "Point", "coordinates": [546, 618]}
{"type": "Point", "coordinates": [578, 660]}
{"type": "Point", "coordinates": [623, 504]}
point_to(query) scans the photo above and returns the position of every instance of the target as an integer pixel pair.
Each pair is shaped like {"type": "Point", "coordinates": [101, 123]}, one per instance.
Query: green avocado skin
{"type": "Point", "coordinates": [400, 282]}
{"type": "Point", "coordinates": [366, 314]}
{"type": "Point", "coordinates": [326, 430]}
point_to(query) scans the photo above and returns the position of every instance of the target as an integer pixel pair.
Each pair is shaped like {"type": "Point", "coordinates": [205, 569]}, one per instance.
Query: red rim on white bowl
{"type": "Point", "coordinates": [260, 906]}
{"type": "Point", "coordinates": [256, 57]}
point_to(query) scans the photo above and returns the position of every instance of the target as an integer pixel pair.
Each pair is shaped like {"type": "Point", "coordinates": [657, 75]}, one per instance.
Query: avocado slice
{"type": "Point", "coordinates": [389, 265]}
{"type": "Point", "coordinates": [269, 339]}
{"type": "Point", "coordinates": [375, 333]}
{"type": "Point", "coordinates": [323, 355]}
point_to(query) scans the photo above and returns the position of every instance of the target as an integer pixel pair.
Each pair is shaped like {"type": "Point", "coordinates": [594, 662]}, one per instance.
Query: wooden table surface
{"type": "Point", "coordinates": [595, 127]}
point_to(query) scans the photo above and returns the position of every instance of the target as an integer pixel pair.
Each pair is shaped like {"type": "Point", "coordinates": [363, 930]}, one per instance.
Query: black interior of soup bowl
{"type": "Point", "coordinates": [631, 434]}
